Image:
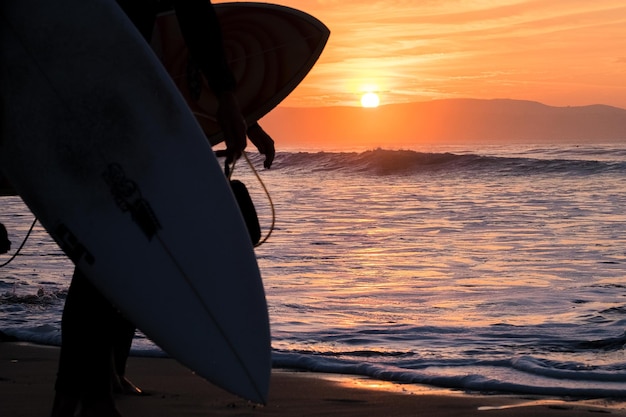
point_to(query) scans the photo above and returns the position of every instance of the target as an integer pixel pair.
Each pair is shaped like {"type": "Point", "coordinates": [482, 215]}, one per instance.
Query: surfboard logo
{"type": "Point", "coordinates": [128, 198]}
{"type": "Point", "coordinates": [72, 246]}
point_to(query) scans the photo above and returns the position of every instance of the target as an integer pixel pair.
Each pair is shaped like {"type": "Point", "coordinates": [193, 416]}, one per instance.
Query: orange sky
{"type": "Point", "coordinates": [559, 52]}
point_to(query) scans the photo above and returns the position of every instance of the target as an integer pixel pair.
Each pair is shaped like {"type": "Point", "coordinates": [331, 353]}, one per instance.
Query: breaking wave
{"type": "Point", "coordinates": [408, 162]}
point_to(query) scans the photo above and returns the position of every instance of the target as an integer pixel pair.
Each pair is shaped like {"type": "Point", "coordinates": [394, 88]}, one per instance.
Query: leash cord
{"type": "Point", "coordinates": [229, 173]}
{"type": "Point", "coordinates": [269, 199]}
{"type": "Point", "coordinates": [32, 226]}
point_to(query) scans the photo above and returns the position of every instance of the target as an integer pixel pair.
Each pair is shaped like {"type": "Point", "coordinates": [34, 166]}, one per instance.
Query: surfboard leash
{"type": "Point", "coordinates": [269, 199]}
{"type": "Point", "coordinates": [32, 226]}
{"type": "Point", "coordinates": [228, 170]}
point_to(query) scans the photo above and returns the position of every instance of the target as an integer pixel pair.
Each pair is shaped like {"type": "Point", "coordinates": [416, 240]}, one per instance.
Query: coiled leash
{"type": "Point", "coordinates": [247, 206]}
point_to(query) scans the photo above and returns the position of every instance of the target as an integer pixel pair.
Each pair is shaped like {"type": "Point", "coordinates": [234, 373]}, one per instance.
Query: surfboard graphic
{"type": "Point", "coordinates": [99, 143]}
{"type": "Point", "coordinates": [270, 48]}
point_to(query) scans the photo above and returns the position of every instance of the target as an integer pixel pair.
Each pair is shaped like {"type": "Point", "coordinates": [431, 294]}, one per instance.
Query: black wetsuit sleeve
{"type": "Point", "coordinates": [203, 35]}
{"type": "Point", "coordinates": [142, 13]}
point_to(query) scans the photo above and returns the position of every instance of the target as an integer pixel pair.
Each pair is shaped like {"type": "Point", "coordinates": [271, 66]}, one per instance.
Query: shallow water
{"type": "Point", "coordinates": [486, 268]}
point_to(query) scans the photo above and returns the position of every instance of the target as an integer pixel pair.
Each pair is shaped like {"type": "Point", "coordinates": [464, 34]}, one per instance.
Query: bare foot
{"type": "Point", "coordinates": [99, 408]}
{"type": "Point", "coordinates": [64, 406]}
{"type": "Point", "coordinates": [127, 388]}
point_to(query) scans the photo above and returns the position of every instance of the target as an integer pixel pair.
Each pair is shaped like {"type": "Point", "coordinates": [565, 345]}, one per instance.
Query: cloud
{"type": "Point", "coordinates": [472, 48]}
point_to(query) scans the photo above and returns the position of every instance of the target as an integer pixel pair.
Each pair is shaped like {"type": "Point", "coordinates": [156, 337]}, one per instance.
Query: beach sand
{"type": "Point", "coordinates": [27, 373]}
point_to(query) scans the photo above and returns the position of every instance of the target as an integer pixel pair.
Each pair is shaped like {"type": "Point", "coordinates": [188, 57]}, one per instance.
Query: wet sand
{"type": "Point", "coordinates": [27, 373]}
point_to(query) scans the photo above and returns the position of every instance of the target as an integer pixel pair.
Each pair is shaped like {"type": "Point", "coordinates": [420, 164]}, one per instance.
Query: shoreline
{"type": "Point", "coordinates": [27, 373]}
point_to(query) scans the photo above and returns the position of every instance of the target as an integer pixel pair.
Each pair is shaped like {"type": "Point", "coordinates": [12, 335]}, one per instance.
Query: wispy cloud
{"type": "Point", "coordinates": [552, 51]}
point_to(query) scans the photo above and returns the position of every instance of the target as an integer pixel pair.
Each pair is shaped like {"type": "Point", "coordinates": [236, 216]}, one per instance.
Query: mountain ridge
{"type": "Point", "coordinates": [447, 121]}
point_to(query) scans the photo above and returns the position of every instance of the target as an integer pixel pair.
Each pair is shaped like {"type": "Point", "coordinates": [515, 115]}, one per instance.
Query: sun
{"type": "Point", "coordinates": [370, 100]}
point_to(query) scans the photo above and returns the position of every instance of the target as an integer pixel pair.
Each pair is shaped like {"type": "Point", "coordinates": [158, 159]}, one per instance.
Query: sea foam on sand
{"type": "Point", "coordinates": [27, 374]}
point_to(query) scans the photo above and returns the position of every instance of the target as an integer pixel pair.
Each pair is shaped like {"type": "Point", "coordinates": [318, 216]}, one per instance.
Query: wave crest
{"type": "Point", "coordinates": [408, 162]}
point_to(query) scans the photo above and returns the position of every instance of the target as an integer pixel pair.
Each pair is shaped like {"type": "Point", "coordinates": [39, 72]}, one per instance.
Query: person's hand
{"type": "Point", "coordinates": [233, 125]}
{"type": "Point", "coordinates": [263, 142]}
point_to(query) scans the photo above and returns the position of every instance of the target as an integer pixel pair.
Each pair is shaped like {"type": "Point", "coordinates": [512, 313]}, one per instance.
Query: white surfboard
{"type": "Point", "coordinates": [101, 146]}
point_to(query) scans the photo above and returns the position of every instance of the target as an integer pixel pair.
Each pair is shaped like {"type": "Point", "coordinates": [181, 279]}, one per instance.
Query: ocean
{"type": "Point", "coordinates": [492, 269]}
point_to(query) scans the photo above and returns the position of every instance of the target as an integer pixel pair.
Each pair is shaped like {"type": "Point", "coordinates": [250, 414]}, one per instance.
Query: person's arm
{"type": "Point", "coordinates": [203, 35]}
{"type": "Point", "coordinates": [263, 142]}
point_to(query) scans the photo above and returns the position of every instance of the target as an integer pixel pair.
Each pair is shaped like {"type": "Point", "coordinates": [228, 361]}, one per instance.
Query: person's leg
{"type": "Point", "coordinates": [85, 362]}
{"type": "Point", "coordinates": [142, 13]}
{"type": "Point", "coordinates": [123, 334]}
